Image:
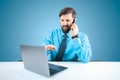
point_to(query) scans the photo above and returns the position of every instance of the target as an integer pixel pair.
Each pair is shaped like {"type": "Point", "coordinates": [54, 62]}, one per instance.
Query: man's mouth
{"type": "Point", "coordinates": [65, 27]}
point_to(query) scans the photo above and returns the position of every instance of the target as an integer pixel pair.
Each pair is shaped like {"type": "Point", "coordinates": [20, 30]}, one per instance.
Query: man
{"type": "Point", "coordinates": [67, 43]}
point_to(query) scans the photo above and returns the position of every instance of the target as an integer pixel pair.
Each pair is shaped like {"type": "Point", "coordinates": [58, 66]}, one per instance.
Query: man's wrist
{"type": "Point", "coordinates": [75, 36]}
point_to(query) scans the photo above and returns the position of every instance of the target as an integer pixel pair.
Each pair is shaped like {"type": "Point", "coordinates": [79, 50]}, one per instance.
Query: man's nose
{"type": "Point", "coordinates": [64, 23]}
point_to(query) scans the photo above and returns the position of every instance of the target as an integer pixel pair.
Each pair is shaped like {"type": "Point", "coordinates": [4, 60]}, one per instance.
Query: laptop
{"type": "Point", "coordinates": [35, 60]}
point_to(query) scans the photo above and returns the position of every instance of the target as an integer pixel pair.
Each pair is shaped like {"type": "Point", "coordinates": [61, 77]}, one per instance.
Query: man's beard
{"type": "Point", "coordinates": [68, 28]}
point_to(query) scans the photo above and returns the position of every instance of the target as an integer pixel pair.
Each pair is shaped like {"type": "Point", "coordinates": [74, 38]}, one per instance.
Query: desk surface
{"type": "Point", "coordinates": [75, 71]}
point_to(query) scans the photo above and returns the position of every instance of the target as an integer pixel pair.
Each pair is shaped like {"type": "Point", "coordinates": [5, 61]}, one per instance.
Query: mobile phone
{"type": "Point", "coordinates": [73, 21]}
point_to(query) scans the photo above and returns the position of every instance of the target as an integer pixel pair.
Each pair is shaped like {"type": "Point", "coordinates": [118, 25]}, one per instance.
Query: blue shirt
{"type": "Point", "coordinates": [78, 49]}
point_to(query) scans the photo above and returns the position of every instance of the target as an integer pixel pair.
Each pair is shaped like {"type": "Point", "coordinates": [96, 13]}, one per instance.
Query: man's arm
{"type": "Point", "coordinates": [81, 44]}
{"type": "Point", "coordinates": [83, 48]}
{"type": "Point", "coordinates": [49, 47]}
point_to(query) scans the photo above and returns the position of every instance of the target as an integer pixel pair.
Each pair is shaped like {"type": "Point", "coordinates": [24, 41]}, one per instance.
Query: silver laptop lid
{"type": "Point", "coordinates": [35, 59]}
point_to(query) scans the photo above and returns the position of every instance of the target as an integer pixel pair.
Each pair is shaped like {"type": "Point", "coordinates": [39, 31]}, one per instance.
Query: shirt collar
{"type": "Point", "coordinates": [68, 34]}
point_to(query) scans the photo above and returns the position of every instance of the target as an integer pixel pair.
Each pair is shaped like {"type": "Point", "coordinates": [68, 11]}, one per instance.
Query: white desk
{"type": "Point", "coordinates": [75, 71]}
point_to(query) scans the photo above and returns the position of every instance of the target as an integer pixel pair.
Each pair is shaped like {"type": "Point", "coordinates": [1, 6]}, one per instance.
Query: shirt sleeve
{"type": "Point", "coordinates": [83, 48]}
{"type": "Point", "coordinates": [48, 40]}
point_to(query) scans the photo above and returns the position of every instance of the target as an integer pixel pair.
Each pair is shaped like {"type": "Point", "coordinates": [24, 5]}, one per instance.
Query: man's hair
{"type": "Point", "coordinates": [68, 10]}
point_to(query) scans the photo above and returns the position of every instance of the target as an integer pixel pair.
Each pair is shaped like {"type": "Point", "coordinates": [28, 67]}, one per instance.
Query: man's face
{"type": "Point", "coordinates": [66, 22]}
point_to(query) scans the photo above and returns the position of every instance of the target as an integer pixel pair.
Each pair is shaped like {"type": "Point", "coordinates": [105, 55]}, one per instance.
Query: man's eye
{"type": "Point", "coordinates": [68, 20]}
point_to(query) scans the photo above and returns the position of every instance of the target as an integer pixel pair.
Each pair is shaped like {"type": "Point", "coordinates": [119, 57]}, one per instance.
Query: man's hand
{"type": "Point", "coordinates": [74, 29]}
{"type": "Point", "coordinates": [50, 47]}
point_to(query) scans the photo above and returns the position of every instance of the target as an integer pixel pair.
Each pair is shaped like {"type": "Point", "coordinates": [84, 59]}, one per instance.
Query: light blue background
{"type": "Point", "coordinates": [30, 21]}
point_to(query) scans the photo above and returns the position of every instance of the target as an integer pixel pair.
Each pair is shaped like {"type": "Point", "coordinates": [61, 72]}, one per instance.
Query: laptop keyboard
{"type": "Point", "coordinates": [55, 68]}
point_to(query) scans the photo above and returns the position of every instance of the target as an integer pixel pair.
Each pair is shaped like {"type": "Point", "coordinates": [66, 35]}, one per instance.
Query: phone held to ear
{"type": "Point", "coordinates": [73, 23]}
